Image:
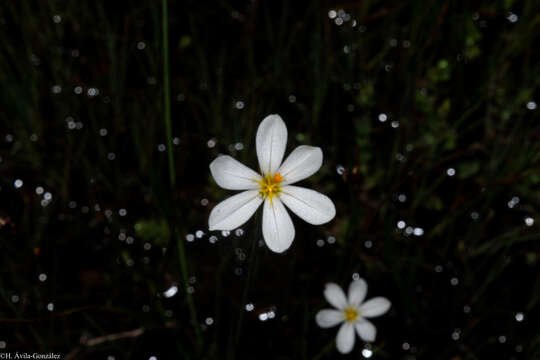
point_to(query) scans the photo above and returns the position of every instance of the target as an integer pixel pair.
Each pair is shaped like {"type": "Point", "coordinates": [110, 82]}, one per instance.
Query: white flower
{"type": "Point", "coordinates": [272, 187]}
{"type": "Point", "coordinates": [352, 312]}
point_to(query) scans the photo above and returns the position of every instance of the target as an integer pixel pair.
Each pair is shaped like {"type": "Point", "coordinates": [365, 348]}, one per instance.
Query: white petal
{"type": "Point", "coordinates": [335, 296]}
{"type": "Point", "coordinates": [374, 307]}
{"type": "Point", "coordinates": [327, 318]}
{"type": "Point", "coordinates": [311, 206]}
{"type": "Point", "coordinates": [357, 292]}
{"type": "Point", "coordinates": [234, 211]}
{"type": "Point", "coordinates": [277, 227]}
{"type": "Point", "coordinates": [303, 162]}
{"type": "Point", "coordinates": [231, 174]}
{"type": "Point", "coordinates": [271, 140]}
{"type": "Point", "coordinates": [345, 338]}
{"type": "Point", "coordinates": [366, 330]}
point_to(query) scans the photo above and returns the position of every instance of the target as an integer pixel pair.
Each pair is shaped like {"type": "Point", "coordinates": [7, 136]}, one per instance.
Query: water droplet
{"type": "Point", "coordinates": [529, 221]}
{"type": "Point", "coordinates": [383, 117]}
{"type": "Point", "coordinates": [141, 45]}
{"type": "Point", "coordinates": [18, 183]}
{"type": "Point", "coordinates": [512, 17]}
{"type": "Point", "coordinates": [170, 292]}
{"type": "Point", "coordinates": [190, 237]}
{"type": "Point", "coordinates": [519, 317]}
{"type": "Point", "coordinates": [531, 105]}
{"type": "Point", "coordinates": [401, 224]}
{"type": "Point", "coordinates": [42, 277]}
{"type": "Point", "coordinates": [249, 307]}
{"type": "Point", "coordinates": [450, 172]}
{"type": "Point", "coordinates": [93, 92]}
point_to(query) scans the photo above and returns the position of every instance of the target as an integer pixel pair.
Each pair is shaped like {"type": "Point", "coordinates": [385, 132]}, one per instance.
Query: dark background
{"type": "Point", "coordinates": [457, 160]}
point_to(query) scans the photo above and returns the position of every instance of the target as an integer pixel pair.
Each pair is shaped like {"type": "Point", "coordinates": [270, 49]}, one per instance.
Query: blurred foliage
{"type": "Point", "coordinates": [426, 113]}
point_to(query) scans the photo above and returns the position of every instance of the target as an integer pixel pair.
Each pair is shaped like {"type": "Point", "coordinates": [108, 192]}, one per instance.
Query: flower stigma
{"type": "Point", "coordinates": [351, 314]}
{"type": "Point", "coordinates": [270, 185]}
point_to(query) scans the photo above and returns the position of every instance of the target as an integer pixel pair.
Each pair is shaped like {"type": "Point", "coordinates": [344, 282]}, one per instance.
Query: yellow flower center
{"type": "Point", "coordinates": [351, 314]}
{"type": "Point", "coordinates": [270, 185]}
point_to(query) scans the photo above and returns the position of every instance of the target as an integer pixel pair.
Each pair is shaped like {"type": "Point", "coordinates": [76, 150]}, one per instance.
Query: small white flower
{"type": "Point", "coordinates": [352, 312]}
{"type": "Point", "coordinates": [272, 187]}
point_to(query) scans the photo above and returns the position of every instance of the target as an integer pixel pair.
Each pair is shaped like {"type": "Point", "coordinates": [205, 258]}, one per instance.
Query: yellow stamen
{"type": "Point", "coordinates": [351, 314]}
{"type": "Point", "coordinates": [270, 185]}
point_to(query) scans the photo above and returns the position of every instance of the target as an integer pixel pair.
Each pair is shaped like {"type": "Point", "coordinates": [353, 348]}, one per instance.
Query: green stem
{"type": "Point", "coordinates": [253, 263]}
{"type": "Point", "coordinates": [325, 350]}
{"type": "Point", "coordinates": [172, 175]}
{"type": "Point", "coordinates": [189, 298]}
{"type": "Point", "coordinates": [167, 94]}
